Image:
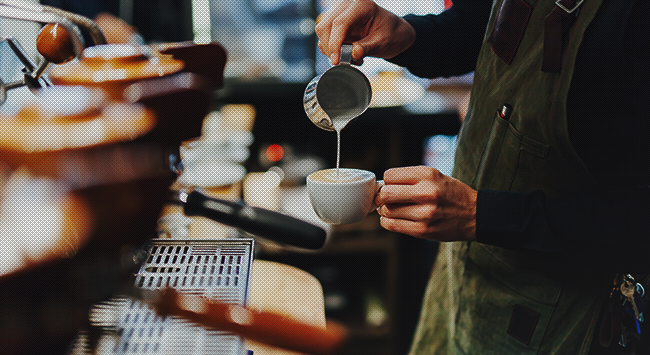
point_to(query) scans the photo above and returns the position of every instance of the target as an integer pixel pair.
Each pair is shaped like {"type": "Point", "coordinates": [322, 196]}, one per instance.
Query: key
{"type": "Point", "coordinates": [628, 288]}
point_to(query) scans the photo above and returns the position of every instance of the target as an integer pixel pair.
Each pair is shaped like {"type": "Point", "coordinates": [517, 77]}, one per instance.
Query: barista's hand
{"type": "Point", "coordinates": [422, 202]}
{"type": "Point", "coordinates": [373, 31]}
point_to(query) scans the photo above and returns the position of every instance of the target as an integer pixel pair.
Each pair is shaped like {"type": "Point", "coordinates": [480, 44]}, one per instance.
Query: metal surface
{"type": "Point", "coordinates": [18, 13]}
{"type": "Point", "coordinates": [214, 269]}
{"type": "Point", "coordinates": [31, 72]}
{"type": "Point", "coordinates": [34, 12]}
{"type": "Point", "coordinates": [93, 29]}
{"type": "Point", "coordinates": [341, 93]}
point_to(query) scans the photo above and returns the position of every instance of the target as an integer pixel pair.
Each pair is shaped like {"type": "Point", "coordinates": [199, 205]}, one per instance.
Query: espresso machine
{"type": "Point", "coordinates": [96, 149]}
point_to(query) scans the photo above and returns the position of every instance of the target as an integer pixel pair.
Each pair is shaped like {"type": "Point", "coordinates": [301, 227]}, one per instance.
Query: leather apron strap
{"type": "Point", "coordinates": [556, 25]}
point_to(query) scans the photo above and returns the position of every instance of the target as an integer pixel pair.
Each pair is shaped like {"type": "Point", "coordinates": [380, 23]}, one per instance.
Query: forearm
{"type": "Point", "coordinates": [447, 44]}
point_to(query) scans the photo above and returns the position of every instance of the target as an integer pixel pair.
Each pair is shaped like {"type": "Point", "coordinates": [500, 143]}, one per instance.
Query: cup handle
{"type": "Point", "coordinates": [378, 185]}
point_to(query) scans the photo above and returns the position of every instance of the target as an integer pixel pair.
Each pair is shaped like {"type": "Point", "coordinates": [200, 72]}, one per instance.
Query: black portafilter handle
{"type": "Point", "coordinates": [267, 224]}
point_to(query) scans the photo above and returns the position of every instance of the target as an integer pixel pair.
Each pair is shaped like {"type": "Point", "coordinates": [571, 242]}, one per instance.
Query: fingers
{"type": "Point", "coordinates": [358, 53]}
{"type": "Point", "coordinates": [373, 31]}
{"type": "Point", "coordinates": [425, 212]}
{"type": "Point", "coordinates": [354, 15]}
{"type": "Point", "coordinates": [417, 193]}
{"type": "Point", "coordinates": [416, 229]}
{"type": "Point", "coordinates": [415, 185]}
{"type": "Point", "coordinates": [347, 22]}
{"type": "Point", "coordinates": [411, 175]}
{"type": "Point", "coordinates": [324, 27]}
{"type": "Point", "coordinates": [442, 209]}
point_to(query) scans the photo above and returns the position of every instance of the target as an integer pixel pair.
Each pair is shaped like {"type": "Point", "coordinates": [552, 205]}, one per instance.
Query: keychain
{"type": "Point", "coordinates": [627, 293]}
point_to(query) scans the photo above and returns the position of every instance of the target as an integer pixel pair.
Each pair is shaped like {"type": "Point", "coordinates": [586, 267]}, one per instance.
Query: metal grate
{"type": "Point", "coordinates": [216, 269]}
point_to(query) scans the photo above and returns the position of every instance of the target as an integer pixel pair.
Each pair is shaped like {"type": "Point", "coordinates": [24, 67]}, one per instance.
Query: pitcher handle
{"type": "Point", "coordinates": [346, 54]}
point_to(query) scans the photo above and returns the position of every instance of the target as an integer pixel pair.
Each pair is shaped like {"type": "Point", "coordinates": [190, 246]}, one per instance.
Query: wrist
{"type": "Point", "coordinates": [405, 33]}
{"type": "Point", "coordinates": [408, 29]}
{"type": "Point", "coordinates": [470, 234]}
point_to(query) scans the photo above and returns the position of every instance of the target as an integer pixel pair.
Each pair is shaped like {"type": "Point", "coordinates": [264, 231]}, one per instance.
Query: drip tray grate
{"type": "Point", "coordinates": [215, 269]}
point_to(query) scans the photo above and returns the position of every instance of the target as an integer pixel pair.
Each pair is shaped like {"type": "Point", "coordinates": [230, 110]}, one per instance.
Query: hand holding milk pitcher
{"type": "Point", "coordinates": [331, 101]}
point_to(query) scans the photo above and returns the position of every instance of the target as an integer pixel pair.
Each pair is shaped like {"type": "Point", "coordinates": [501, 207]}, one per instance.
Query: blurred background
{"type": "Point", "coordinates": [258, 145]}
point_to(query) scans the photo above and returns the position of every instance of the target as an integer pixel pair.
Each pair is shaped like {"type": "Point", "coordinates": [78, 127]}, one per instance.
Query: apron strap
{"type": "Point", "coordinates": [556, 23]}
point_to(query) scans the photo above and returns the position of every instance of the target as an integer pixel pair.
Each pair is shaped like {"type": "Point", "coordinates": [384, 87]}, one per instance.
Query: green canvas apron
{"type": "Point", "coordinates": [474, 288]}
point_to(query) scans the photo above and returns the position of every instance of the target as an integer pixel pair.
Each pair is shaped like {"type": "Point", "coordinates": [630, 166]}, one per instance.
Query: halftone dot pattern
{"type": "Point", "coordinates": [218, 270]}
{"type": "Point", "coordinates": [33, 217]}
{"type": "Point", "coordinates": [141, 348]}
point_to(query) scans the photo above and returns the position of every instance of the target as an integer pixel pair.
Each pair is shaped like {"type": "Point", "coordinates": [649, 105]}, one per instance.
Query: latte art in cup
{"type": "Point", "coordinates": [340, 176]}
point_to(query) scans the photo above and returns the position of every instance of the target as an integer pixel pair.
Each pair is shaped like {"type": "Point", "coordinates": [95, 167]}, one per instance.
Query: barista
{"type": "Point", "coordinates": [556, 180]}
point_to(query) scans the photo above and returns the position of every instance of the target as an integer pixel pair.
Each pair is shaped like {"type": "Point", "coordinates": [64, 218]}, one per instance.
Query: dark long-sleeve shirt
{"type": "Point", "coordinates": [608, 126]}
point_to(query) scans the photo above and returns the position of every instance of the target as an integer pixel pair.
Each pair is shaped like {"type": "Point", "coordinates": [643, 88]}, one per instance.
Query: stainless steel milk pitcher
{"type": "Point", "coordinates": [337, 96]}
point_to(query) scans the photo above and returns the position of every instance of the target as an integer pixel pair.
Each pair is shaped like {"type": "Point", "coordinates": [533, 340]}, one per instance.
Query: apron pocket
{"type": "Point", "coordinates": [501, 310]}
{"type": "Point", "coordinates": [506, 156]}
{"type": "Point", "coordinates": [499, 160]}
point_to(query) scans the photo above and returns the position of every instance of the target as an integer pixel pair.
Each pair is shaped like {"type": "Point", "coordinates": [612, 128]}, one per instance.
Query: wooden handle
{"type": "Point", "coordinates": [264, 327]}
{"type": "Point", "coordinates": [54, 43]}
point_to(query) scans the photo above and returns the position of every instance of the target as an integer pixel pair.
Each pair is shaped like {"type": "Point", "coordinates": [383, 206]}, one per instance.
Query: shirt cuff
{"type": "Point", "coordinates": [500, 217]}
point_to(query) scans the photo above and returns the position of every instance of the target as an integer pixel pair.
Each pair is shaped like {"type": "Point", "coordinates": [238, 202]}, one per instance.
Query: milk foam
{"type": "Point", "coordinates": [343, 176]}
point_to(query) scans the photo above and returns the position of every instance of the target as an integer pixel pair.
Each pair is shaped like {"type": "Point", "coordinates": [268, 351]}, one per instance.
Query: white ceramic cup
{"type": "Point", "coordinates": [346, 199]}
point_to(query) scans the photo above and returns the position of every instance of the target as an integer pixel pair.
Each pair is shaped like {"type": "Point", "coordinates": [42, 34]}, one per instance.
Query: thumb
{"type": "Point", "coordinates": [369, 46]}
{"type": "Point", "coordinates": [359, 51]}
